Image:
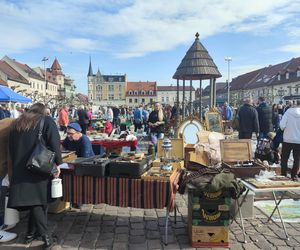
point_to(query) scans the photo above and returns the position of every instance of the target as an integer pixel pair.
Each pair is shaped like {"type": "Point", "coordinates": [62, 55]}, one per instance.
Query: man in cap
{"type": "Point", "coordinates": [76, 141]}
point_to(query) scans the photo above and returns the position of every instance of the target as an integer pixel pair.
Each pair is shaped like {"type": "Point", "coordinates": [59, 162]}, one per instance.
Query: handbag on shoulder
{"type": "Point", "coordinates": [41, 161]}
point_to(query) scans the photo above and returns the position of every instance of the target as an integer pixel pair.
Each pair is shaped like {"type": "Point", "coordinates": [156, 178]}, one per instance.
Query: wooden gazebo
{"type": "Point", "coordinates": [197, 64]}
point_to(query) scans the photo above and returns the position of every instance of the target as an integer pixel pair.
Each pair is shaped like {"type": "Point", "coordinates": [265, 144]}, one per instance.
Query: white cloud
{"type": "Point", "coordinates": [291, 48]}
{"type": "Point", "coordinates": [133, 28]}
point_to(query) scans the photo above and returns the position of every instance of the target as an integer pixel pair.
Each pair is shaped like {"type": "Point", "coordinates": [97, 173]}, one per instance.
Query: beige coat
{"type": "Point", "coordinates": [5, 161]}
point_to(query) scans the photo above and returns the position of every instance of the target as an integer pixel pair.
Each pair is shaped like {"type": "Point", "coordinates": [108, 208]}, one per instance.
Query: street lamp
{"type": "Point", "coordinates": [44, 60]}
{"type": "Point", "coordinates": [228, 59]}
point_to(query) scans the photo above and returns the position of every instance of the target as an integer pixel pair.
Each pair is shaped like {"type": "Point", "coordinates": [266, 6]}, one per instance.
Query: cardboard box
{"type": "Point", "coordinates": [209, 236]}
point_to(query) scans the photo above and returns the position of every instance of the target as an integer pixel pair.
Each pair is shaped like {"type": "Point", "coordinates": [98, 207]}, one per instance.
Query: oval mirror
{"type": "Point", "coordinates": [188, 130]}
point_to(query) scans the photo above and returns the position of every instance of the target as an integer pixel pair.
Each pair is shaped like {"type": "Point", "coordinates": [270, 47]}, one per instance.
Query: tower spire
{"type": "Point", "coordinates": [90, 73]}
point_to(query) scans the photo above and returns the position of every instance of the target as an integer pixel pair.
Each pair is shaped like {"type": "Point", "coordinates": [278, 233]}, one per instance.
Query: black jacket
{"type": "Point", "coordinates": [248, 119]}
{"type": "Point", "coordinates": [26, 188]}
{"type": "Point", "coordinates": [83, 117]}
{"type": "Point", "coordinates": [265, 118]}
{"type": "Point", "coordinates": [153, 118]}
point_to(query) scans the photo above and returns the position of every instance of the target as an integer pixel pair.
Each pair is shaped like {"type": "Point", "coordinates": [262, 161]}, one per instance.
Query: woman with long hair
{"type": "Point", "coordinates": [31, 191]}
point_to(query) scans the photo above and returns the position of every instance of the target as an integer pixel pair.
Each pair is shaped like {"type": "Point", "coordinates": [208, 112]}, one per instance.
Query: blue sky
{"type": "Point", "coordinates": [148, 39]}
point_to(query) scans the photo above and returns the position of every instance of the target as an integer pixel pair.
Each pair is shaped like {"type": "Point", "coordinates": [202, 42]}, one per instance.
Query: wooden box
{"type": "Point", "coordinates": [177, 148]}
{"type": "Point", "coordinates": [165, 175]}
{"type": "Point", "coordinates": [204, 236]}
{"type": "Point", "coordinates": [187, 149]}
{"type": "Point", "coordinates": [239, 151]}
{"type": "Point", "coordinates": [68, 156]}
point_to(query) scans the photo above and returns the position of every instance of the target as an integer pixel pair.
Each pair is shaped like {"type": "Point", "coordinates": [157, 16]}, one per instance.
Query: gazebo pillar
{"type": "Point", "coordinates": [191, 106]}
{"type": "Point", "coordinates": [211, 98]}
{"type": "Point", "coordinates": [177, 104]}
{"type": "Point", "coordinates": [200, 100]}
{"type": "Point", "coordinates": [214, 93]}
{"type": "Point", "coordinates": [183, 100]}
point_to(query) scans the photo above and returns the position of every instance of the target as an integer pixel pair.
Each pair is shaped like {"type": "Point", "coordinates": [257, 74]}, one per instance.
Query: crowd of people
{"type": "Point", "coordinates": [19, 130]}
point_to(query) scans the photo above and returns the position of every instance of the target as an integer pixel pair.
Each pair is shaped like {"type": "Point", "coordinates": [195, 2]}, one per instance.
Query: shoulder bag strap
{"type": "Point", "coordinates": [42, 121]}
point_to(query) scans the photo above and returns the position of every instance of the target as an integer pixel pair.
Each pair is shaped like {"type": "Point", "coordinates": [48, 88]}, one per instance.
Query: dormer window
{"type": "Point", "coordinates": [150, 92]}
{"type": "Point", "coordinates": [143, 92]}
{"type": "Point", "coordinates": [278, 77]}
{"type": "Point", "coordinates": [287, 75]}
{"type": "Point", "coordinates": [130, 92]}
{"type": "Point", "coordinates": [298, 73]}
{"type": "Point", "coordinates": [136, 92]}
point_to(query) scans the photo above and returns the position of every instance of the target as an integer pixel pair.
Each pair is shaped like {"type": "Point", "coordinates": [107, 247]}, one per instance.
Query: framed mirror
{"type": "Point", "coordinates": [213, 122]}
{"type": "Point", "coordinates": [188, 130]}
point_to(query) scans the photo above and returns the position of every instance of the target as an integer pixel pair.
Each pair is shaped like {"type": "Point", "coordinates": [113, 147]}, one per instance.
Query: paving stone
{"type": "Point", "coordinates": [122, 221]}
{"type": "Point", "coordinates": [134, 232]}
{"type": "Point", "coordinates": [104, 236]}
{"type": "Point", "coordinates": [250, 246]}
{"type": "Point", "coordinates": [172, 246]}
{"type": "Point", "coordinates": [107, 229]}
{"type": "Point", "coordinates": [104, 243]}
{"type": "Point", "coordinates": [133, 239]}
{"type": "Point", "coordinates": [121, 230]}
{"type": "Point", "coordinates": [138, 246]}
{"type": "Point", "coordinates": [136, 219]}
{"type": "Point", "coordinates": [154, 244]}
{"type": "Point", "coordinates": [236, 246]}
{"type": "Point", "coordinates": [151, 225]}
{"type": "Point", "coordinates": [153, 235]}
{"type": "Point", "coordinates": [121, 238]}
{"type": "Point", "coordinates": [137, 225]}
{"type": "Point", "coordinates": [119, 246]}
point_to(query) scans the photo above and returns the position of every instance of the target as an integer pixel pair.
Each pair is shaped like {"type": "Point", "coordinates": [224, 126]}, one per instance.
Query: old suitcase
{"type": "Point", "coordinates": [92, 166]}
{"type": "Point", "coordinates": [132, 169]}
{"type": "Point", "coordinates": [237, 157]}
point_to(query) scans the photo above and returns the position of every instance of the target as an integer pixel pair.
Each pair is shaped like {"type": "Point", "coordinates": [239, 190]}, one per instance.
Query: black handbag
{"type": "Point", "coordinates": [41, 161]}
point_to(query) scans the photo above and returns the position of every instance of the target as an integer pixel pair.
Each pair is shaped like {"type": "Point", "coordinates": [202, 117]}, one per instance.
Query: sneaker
{"type": "Point", "coordinates": [7, 236]}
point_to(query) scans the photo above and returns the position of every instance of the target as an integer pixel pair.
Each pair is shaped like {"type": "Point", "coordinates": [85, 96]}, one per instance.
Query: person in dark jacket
{"type": "Point", "coordinates": [264, 117]}
{"type": "Point", "coordinates": [116, 119]}
{"type": "Point", "coordinates": [29, 191]}
{"type": "Point", "coordinates": [78, 142]}
{"type": "Point", "coordinates": [83, 119]}
{"type": "Point", "coordinates": [248, 120]}
{"type": "Point", "coordinates": [156, 123]}
{"type": "Point", "coordinates": [275, 117]}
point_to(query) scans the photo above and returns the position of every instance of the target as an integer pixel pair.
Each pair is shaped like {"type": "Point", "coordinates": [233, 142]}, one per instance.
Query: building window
{"type": "Point", "coordinates": [162, 99]}
{"type": "Point", "coordinates": [110, 79]}
{"type": "Point", "coordinates": [110, 87]}
{"type": "Point", "coordinates": [135, 100]}
{"type": "Point", "coordinates": [143, 100]}
{"type": "Point", "coordinates": [130, 100]}
{"type": "Point", "coordinates": [130, 92]}
{"type": "Point", "coordinates": [150, 92]}
{"type": "Point", "coordinates": [298, 73]}
{"type": "Point", "coordinates": [120, 96]}
{"type": "Point", "coordinates": [120, 79]}
{"type": "Point", "coordinates": [287, 75]}
{"type": "Point", "coordinates": [120, 88]}
{"type": "Point", "coordinates": [143, 92]}
{"type": "Point", "coordinates": [151, 100]}
{"type": "Point", "coordinates": [278, 77]}
{"type": "Point", "coordinates": [167, 99]}
{"type": "Point", "coordinates": [136, 92]}
{"type": "Point", "coordinates": [110, 96]}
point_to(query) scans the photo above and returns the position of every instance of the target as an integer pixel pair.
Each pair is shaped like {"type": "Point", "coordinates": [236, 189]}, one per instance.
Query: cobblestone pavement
{"type": "Point", "coordinates": [106, 227]}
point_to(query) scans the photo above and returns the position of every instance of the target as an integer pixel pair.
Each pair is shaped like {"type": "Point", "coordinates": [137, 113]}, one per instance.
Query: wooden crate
{"type": "Point", "coordinates": [156, 164]}
{"type": "Point", "coordinates": [233, 151]}
{"type": "Point", "coordinates": [204, 236]}
{"type": "Point", "coordinates": [177, 148]}
{"type": "Point", "coordinates": [68, 156]}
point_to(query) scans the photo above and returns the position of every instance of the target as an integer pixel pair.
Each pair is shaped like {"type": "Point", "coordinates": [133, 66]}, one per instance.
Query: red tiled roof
{"type": "Point", "coordinates": [141, 86]}
{"type": "Point", "coordinates": [28, 70]}
{"type": "Point", "coordinates": [174, 88]}
{"type": "Point", "coordinates": [55, 65]}
{"type": "Point", "coordinates": [82, 97]}
{"type": "Point", "coordinates": [11, 73]}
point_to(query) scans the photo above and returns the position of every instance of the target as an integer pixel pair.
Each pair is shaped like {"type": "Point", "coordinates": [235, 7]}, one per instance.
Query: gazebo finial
{"type": "Point", "coordinates": [197, 36]}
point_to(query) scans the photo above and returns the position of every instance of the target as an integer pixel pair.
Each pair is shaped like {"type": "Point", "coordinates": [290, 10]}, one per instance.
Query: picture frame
{"type": "Point", "coordinates": [213, 121]}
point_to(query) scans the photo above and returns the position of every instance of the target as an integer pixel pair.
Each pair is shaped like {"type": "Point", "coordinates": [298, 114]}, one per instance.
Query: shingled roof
{"type": "Point", "coordinates": [197, 64]}
{"type": "Point", "coordinates": [11, 73]}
